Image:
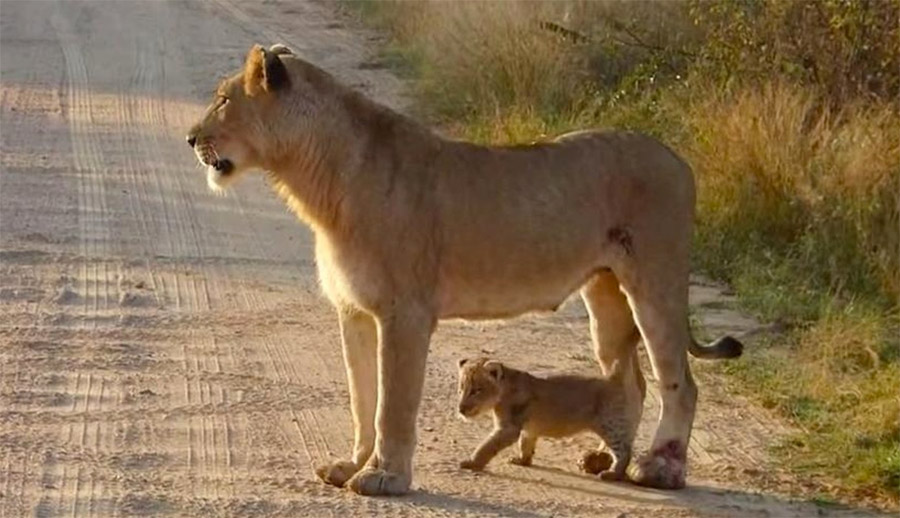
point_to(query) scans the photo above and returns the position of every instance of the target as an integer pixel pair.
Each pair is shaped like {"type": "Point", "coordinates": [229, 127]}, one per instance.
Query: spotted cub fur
{"type": "Point", "coordinates": [527, 407]}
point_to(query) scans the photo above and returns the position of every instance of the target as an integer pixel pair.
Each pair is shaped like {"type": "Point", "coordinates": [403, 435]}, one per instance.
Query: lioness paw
{"type": "Point", "coordinates": [337, 473]}
{"type": "Point", "coordinates": [663, 468]}
{"type": "Point", "coordinates": [378, 482]}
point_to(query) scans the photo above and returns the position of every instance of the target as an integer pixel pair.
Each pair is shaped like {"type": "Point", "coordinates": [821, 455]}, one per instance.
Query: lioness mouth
{"type": "Point", "coordinates": [208, 156]}
{"type": "Point", "coordinates": [223, 166]}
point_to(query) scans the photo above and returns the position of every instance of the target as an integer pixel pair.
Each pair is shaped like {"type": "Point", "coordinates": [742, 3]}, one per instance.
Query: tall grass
{"type": "Point", "coordinates": [788, 111]}
{"type": "Point", "coordinates": [790, 175]}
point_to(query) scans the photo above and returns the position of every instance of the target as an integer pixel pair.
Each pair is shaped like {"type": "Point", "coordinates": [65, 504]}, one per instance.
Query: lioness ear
{"type": "Point", "coordinates": [281, 48]}
{"type": "Point", "coordinates": [462, 362]}
{"type": "Point", "coordinates": [494, 369]}
{"type": "Point", "coordinates": [263, 72]}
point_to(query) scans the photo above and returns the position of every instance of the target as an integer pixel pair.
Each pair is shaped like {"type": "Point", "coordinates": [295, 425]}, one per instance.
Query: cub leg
{"type": "Point", "coordinates": [403, 340]}
{"type": "Point", "coordinates": [621, 453]}
{"type": "Point", "coordinates": [618, 431]}
{"type": "Point", "coordinates": [359, 338]}
{"type": "Point", "coordinates": [527, 443]}
{"type": "Point", "coordinates": [501, 438]}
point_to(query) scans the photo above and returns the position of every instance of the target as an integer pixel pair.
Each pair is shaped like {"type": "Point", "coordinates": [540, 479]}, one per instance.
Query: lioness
{"type": "Point", "coordinates": [411, 228]}
{"type": "Point", "coordinates": [526, 408]}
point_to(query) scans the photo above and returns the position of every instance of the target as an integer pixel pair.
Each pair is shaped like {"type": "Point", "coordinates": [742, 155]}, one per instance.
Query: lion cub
{"type": "Point", "coordinates": [527, 407]}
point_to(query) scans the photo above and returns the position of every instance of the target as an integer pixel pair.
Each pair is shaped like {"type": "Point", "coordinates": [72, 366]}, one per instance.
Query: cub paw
{"type": "Point", "coordinates": [378, 482]}
{"type": "Point", "coordinates": [337, 473]}
{"type": "Point", "coordinates": [520, 461]}
{"type": "Point", "coordinates": [594, 462]}
{"type": "Point", "coordinates": [471, 465]}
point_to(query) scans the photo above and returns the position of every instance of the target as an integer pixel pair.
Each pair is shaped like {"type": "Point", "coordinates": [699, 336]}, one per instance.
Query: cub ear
{"type": "Point", "coordinates": [462, 362]}
{"type": "Point", "coordinates": [494, 369]}
{"type": "Point", "coordinates": [263, 72]}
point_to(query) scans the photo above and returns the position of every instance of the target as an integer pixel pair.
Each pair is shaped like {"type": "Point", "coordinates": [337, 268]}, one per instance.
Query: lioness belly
{"type": "Point", "coordinates": [506, 297]}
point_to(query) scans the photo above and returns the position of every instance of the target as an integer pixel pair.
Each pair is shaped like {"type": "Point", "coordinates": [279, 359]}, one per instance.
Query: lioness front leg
{"type": "Point", "coordinates": [403, 347]}
{"type": "Point", "coordinates": [500, 438]}
{"type": "Point", "coordinates": [360, 344]}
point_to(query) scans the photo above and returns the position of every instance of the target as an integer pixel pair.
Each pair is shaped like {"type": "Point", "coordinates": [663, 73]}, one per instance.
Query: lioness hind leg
{"type": "Point", "coordinates": [615, 336]}
{"type": "Point", "coordinates": [360, 344]}
{"type": "Point", "coordinates": [612, 326]}
{"type": "Point", "coordinates": [660, 308]}
{"type": "Point", "coordinates": [402, 351]}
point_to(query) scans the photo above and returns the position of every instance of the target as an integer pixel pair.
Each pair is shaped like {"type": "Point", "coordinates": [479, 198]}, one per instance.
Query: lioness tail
{"type": "Point", "coordinates": [725, 347]}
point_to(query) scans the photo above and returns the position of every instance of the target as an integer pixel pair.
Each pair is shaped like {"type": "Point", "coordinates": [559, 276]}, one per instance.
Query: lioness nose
{"type": "Point", "coordinates": [191, 140]}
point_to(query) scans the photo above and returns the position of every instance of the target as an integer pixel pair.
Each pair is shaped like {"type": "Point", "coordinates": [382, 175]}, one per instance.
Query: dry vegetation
{"type": "Point", "coordinates": [788, 111]}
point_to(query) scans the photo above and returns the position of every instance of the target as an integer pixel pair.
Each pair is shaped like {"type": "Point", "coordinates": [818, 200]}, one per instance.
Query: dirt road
{"type": "Point", "coordinates": [165, 352]}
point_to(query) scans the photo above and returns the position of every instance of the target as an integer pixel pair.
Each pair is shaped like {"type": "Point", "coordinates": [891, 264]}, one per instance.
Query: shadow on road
{"type": "Point", "coordinates": [698, 498]}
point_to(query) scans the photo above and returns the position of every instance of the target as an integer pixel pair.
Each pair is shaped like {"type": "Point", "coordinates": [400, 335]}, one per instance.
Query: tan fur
{"type": "Point", "coordinates": [412, 228]}
{"type": "Point", "coordinates": [527, 408]}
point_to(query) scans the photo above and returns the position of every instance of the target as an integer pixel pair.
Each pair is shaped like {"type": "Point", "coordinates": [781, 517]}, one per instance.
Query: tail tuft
{"type": "Point", "coordinates": [723, 348]}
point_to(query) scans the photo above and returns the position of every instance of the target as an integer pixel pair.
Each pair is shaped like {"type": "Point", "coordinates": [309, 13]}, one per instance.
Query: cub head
{"type": "Point", "coordinates": [241, 127]}
{"type": "Point", "coordinates": [479, 385]}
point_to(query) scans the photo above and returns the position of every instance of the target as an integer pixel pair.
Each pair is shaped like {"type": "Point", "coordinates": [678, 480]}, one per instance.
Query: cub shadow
{"type": "Point", "coordinates": [697, 497]}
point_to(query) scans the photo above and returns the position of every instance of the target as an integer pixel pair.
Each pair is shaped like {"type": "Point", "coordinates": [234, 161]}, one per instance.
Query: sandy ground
{"type": "Point", "coordinates": [165, 352]}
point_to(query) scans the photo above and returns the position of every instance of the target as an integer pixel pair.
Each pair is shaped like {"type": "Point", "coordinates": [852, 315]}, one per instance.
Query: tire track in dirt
{"type": "Point", "coordinates": [190, 289]}
{"type": "Point", "coordinates": [94, 236]}
{"type": "Point", "coordinates": [17, 382]}
{"type": "Point", "coordinates": [312, 435]}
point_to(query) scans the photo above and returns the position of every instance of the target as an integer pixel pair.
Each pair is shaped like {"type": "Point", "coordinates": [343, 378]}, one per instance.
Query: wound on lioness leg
{"type": "Point", "coordinates": [672, 450]}
{"type": "Point", "coordinates": [622, 237]}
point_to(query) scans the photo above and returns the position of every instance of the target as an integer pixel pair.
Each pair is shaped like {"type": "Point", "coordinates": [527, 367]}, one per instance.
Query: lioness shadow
{"type": "Point", "coordinates": [462, 505]}
{"type": "Point", "coordinates": [697, 497]}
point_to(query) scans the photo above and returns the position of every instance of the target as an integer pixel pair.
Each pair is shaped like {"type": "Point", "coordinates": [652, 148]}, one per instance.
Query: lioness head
{"type": "Point", "coordinates": [244, 126]}
{"type": "Point", "coordinates": [479, 385]}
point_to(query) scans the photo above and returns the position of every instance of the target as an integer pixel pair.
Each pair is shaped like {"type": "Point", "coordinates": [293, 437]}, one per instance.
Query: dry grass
{"type": "Point", "coordinates": [499, 33]}
{"type": "Point", "coordinates": [778, 167]}
{"type": "Point", "coordinates": [836, 380]}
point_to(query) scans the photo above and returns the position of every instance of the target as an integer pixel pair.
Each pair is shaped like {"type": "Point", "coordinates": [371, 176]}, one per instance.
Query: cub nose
{"type": "Point", "coordinates": [191, 140]}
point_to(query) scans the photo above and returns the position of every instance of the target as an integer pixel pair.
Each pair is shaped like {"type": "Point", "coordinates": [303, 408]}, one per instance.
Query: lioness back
{"type": "Point", "coordinates": [525, 226]}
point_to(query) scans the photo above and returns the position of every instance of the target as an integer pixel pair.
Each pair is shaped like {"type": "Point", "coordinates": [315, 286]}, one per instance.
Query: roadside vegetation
{"type": "Point", "coordinates": [788, 112]}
